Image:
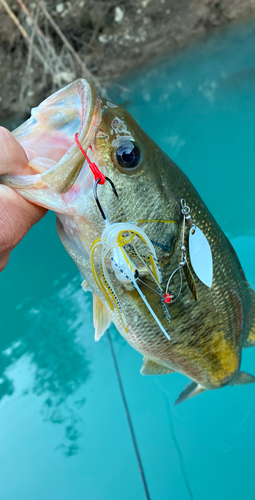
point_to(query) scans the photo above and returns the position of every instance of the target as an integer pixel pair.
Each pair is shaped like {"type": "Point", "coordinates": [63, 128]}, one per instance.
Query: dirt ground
{"type": "Point", "coordinates": [44, 46]}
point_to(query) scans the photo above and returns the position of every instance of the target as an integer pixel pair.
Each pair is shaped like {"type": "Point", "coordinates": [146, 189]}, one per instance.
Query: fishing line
{"type": "Point", "coordinates": [161, 246]}
{"type": "Point", "coordinates": [176, 442]}
{"type": "Point", "coordinates": [138, 456]}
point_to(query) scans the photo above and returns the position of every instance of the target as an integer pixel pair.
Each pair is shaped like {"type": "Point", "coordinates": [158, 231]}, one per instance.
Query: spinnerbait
{"type": "Point", "coordinates": [113, 241]}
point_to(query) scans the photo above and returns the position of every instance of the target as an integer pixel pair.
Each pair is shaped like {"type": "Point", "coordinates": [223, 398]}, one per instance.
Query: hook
{"type": "Point", "coordinates": [96, 195]}
{"type": "Point", "coordinates": [98, 176]}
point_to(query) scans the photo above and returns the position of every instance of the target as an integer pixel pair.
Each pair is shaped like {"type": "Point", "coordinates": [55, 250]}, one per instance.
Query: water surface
{"type": "Point", "coordinates": [64, 432]}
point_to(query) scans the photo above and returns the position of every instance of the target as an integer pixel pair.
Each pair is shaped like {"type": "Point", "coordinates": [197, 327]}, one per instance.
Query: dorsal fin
{"type": "Point", "coordinates": [101, 317]}
{"type": "Point", "coordinates": [151, 367]}
{"type": "Point", "coordinates": [251, 337]}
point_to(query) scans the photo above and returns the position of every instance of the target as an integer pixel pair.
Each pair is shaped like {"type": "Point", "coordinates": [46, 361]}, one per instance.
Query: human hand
{"type": "Point", "coordinates": [17, 215]}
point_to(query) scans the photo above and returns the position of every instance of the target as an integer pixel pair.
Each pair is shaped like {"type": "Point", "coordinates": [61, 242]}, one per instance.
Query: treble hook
{"type": "Point", "coordinates": [96, 195]}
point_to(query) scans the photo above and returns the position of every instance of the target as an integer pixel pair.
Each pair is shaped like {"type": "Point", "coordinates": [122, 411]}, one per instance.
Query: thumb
{"type": "Point", "coordinates": [13, 158]}
{"type": "Point", "coordinates": [17, 215]}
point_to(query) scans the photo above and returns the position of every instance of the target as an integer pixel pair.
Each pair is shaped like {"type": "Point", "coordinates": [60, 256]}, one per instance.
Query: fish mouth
{"type": "Point", "coordinates": [49, 132]}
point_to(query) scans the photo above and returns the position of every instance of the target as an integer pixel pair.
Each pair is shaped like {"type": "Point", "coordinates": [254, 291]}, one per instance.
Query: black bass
{"type": "Point", "coordinates": [159, 265]}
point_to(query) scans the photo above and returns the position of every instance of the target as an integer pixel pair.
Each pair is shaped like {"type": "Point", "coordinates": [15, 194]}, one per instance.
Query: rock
{"type": "Point", "coordinates": [60, 8]}
{"type": "Point", "coordinates": [144, 3]}
{"type": "Point", "coordinates": [103, 38]}
{"type": "Point", "coordinates": [118, 14]}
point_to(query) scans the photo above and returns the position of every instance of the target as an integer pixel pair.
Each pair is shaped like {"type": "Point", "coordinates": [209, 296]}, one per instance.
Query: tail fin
{"type": "Point", "coordinates": [193, 388]}
{"type": "Point", "coordinates": [242, 378]}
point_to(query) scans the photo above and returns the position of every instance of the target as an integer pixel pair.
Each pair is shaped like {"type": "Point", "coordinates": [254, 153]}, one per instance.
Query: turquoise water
{"type": "Point", "coordinates": [64, 432]}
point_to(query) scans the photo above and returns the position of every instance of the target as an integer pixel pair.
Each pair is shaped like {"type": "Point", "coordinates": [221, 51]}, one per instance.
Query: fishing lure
{"type": "Point", "coordinates": [113, 240]}
{"type": "Point", "coordinates": [116, 236]}
{"type": "Point", "coordinates": [200, 256]}
{"type": "Point", "coordinates": [199, 249]}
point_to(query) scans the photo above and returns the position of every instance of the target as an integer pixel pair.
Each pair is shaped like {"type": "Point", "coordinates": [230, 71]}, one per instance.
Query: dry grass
{"type": "Point", "coordinates": [60, 68]}
{"type": "Point", "coordinates": [55, 41]}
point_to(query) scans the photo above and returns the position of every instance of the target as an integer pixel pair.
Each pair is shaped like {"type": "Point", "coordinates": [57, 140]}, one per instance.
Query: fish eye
{"type": "Point", "coordinates": [128, 155]}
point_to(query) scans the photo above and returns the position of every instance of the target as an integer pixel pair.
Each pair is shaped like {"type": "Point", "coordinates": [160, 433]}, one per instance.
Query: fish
{"type": "Point", "coordinates": [158, 264]}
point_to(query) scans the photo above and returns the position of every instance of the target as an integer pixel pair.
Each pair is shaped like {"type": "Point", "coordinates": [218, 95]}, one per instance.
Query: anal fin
{"type": "Point", "coordinates": [191, 390]}
{"type": "Point", "coordinates": [151, 367]}
{"type": "Point", "coordinates": [101, 317]}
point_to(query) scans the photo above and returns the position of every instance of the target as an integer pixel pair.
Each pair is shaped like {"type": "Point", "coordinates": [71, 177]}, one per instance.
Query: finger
{"type": "Point", "coordinates": [17, 215]}
{"type": "Point", "coordinates": [4, 261]}
{"type": "Point", "coordinates": [13, 159]}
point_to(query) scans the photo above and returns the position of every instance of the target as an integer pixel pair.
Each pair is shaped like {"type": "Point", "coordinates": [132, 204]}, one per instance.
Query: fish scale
{"type": "Point", "coordinates": [207, 335]}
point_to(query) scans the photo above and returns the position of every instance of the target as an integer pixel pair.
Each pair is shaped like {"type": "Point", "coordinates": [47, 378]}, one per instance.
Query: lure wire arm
{"type": "Point", "coordinates": [185, 210]}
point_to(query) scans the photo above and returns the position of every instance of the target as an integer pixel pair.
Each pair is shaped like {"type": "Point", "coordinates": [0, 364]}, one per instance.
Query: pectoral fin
{"type": "Point", "coordinates": [242, 378]}
{"type": "Point", "coordinates": [101, 317]}
{"type": "Point", "coordinates": [190, 391]}
{"type": "Point", "coordinates": [151, 367]}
